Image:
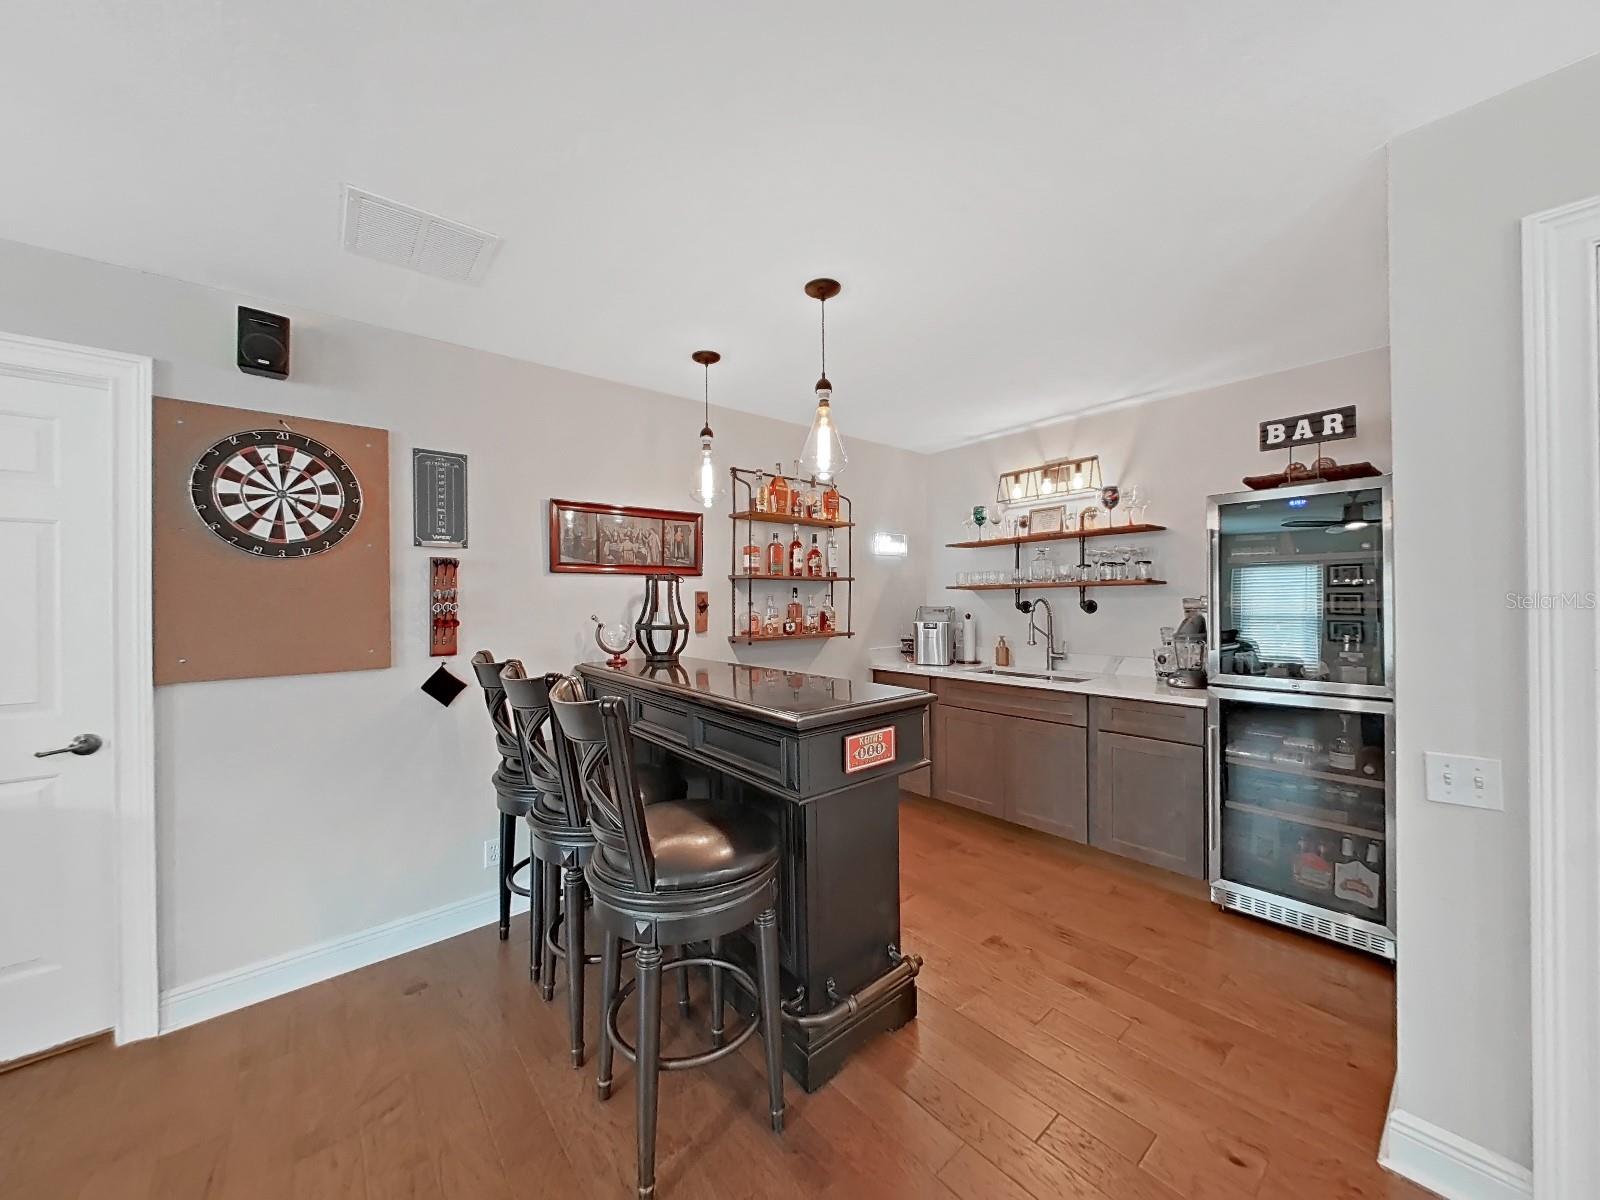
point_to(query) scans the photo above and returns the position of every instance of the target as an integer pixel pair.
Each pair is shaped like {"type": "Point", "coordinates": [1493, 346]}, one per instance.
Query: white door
{"type": "Point", "coordinates": [58, 940]}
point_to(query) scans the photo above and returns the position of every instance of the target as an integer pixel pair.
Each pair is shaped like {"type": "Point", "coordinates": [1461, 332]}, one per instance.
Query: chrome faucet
{"type": "Point", "coordinates": [1052, 656]}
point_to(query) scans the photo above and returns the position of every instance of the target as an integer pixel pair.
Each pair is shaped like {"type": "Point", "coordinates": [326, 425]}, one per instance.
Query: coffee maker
{"type": "Point", "coordinates": [934, 632]}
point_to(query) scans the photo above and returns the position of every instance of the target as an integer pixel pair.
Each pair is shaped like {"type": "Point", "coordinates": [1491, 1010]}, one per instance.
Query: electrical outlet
{"type": "Point", "coordinates": [491, 853]}
{"type": "Point", "coordinates": [1458, 779]}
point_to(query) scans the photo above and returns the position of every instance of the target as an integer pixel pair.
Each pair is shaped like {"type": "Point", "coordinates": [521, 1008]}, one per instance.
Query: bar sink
{"type": "Point", "coordinates": [1019, 673]}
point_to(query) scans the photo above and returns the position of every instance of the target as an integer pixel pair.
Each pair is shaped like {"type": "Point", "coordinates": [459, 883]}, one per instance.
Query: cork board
{"type": "Point", "coordinates": [222, 613]}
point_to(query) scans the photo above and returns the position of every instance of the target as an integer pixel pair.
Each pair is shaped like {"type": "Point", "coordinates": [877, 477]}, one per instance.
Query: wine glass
{"type": "Point", "coordinates": [1133, 501]}
{"type": "Point", "coordinates": [1110, 495]}
{"type": "Point", "coordinates": [980, 517]}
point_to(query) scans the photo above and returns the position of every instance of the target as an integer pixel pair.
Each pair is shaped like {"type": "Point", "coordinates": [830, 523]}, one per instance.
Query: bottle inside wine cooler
{"type": "Point", "coordinates": [1342, 750]}
{"type": "Point", "coordinates": [1311, 869]}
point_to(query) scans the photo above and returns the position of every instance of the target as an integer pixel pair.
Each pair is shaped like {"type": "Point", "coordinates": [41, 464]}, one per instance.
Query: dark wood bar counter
{"type": "Point", "coordinates": [822, 756]}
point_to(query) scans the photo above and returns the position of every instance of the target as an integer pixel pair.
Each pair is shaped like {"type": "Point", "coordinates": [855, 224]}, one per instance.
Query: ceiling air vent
{"type": "Point", "coordinates": [408, 237]}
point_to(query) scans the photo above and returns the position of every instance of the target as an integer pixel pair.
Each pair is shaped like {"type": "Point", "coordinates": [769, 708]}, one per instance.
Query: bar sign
{"type": "Point", "coordinates": [863, 751]}
{"type": "Point", "coordinates": [1329, 425]}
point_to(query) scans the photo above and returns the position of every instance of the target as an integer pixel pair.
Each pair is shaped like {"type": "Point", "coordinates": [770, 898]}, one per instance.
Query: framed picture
{"type": "Point", "coordinates": [1344, 604]}
{"type": "Point", "coordinates": [1339, 630]}
{"type": "Point", "coordinates": [614, 539]}
{"type": "Point", "coordinates": [1046, 520]}
{"type": "Point", "coordinates": [1347, 575]}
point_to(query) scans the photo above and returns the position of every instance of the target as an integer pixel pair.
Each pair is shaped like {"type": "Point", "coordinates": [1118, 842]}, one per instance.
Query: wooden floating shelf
{"type": "Point", "coordinates": [1295, 818]}
{"type": "Point", "coordinates": [1074, 535]}
{"type": "Point", "coordinates": [781, 519]}
{"type": "Point", "coordinates": [792, 578]}
{"type": "Point", "coordinates": [1029, 587]}
{"type": "Point", "coordinates": [751, 639]}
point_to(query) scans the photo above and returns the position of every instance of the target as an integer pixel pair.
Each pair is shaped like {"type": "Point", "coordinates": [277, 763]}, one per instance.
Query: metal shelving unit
{"type": "Point", "coordinates": [1074, 535]}
{"type": "Point", "coordinates": [745, 483]}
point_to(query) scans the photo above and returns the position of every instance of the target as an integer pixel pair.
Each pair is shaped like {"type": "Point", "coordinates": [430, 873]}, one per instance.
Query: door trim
{"type": "Point", "coordinates": [1562, 465]}
{"type": "Point", "coordinates": [128, 378]}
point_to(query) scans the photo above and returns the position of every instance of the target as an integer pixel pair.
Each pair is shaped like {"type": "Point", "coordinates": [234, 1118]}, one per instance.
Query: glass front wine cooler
{"type": "Point", "coordinates": [1302, 814]}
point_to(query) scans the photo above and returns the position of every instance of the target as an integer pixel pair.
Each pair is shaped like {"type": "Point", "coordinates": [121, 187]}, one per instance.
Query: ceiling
{"type": "Point", "coordinates": [1034, 208]}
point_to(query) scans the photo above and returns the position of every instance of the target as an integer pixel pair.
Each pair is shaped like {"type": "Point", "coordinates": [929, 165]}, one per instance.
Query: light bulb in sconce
{"type": "Point", "coordinates": [1077, 481]}
{"type": "Point", "coordinates": [1047, 486]}
{"type": "Point", "coordinates": [1016, 490]}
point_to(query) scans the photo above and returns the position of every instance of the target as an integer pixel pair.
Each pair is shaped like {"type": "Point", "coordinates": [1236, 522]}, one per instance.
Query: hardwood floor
{"type": "Point", "coordinates": [1088, 1028]}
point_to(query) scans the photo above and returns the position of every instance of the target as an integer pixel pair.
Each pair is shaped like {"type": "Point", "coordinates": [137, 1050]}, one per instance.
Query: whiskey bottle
{"type": "Point", "coordinates": [797, 499]}
{"type": "Point", "coordinates": [814, 560]}
{"type": "Point", "coordinates": [776, 554]}
{"type": "Point", "coordinates": [794, 615]}
{"type": "Point", "coordinates": [830, 503]}
{"type": "Point", "coordinates": [763, 501]}
{"type": "Point", "coordinates": [833, 554]}
{"type": "Point", "coordinates": [753, 622]}
{"type": "Point", "coordinates": [811, 625]}
{"type": "Point", "coordinates": [752, 556]}
{"type": "Point", "coordinates": [826, 621]}
{"type": "Point", "coordinates": [772, 626]}
{"type": "Point", "coordinates": [778, 493]}
{"type": "Point", "coordinates": [797, 555]}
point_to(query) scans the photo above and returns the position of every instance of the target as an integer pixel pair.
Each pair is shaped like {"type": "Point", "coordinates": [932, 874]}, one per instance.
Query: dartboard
{"type": "Point", "coordinates": [275, 493]}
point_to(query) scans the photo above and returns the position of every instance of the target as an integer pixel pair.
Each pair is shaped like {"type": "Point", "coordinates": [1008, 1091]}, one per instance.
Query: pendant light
{"type": "Point", "coordinates": [823, 457]}
{"type": "Point", "coordinates": [707, 486]}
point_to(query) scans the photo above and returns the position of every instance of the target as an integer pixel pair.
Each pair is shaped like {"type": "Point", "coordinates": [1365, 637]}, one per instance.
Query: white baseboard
{"type": "Point", "coordinates": [218, 994]}
{"type": "Point", "coordinates": [1448, 1164]}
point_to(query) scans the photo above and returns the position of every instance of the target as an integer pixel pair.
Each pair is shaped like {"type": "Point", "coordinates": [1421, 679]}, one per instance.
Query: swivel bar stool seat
{"type": "Point", "coordinates": [663, 875]}
{"type": "Point", "coordinates": [515, 795]}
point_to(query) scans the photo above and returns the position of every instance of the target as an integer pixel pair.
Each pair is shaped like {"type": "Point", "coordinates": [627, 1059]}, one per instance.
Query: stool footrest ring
{"type": "Point", "coordinates": [519, 889]}
{"type": "Point", "coordinates": [683, 1062]}
{"type": "Point", "coordinates": [559, 949]}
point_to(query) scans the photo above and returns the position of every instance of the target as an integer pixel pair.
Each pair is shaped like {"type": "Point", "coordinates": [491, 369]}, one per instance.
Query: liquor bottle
{"type": "Point", "coordinates": [776, 554]}
{"type": "Point", "coordinates": [811, 625]}
{"type": "Point", "coordinates": [797, 555]}
{"type": "Point", "coordinates": [827, 622]}
{"type": "Point", "coordinates": [778, 493]}
{"type": "Point", "coordinates": [814, 559]}
{"type": "Point", "coordinates": [794, 615]}
{"type": "Point", "coordinates": [830, 503]}
{"type": "Point", "coordinates": [772, 626]}
{"type": "Point", "coordinates": [1355, 881]}
{"type": "Point", "coordinates": [1342, 751]}
{"type": "Point", "coordinates": [763, 494]}
{"type": "Point", "coordinates": [832, 556]}
{"type": "Point", "coordinates": [1311, 870]}
{"type": "Point", "coordinates": [797, 500]}
{"type": "Point", "coordinates": [753, 622]}
{"type": "Point", "coordinates": [752, 556]}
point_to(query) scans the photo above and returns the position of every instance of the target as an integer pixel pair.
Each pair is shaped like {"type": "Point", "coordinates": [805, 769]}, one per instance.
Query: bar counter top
{"type": "Point", "coordinates": [792, 700]}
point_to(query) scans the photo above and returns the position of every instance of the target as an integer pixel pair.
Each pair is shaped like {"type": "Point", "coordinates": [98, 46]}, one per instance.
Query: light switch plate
{"type": "Point", "coordinates": [1459, 779]}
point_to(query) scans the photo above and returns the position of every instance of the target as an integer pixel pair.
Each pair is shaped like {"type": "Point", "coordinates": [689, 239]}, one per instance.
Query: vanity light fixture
{"type": "Point", "coordinates": [823, 457]}
{"type": "Point", "coordinates": [707, 487]}
{"type": "Point", "coordinates": [1054, 481]}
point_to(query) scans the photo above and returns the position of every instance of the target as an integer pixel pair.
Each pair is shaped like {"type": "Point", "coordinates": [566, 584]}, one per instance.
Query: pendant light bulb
{"type": "Point", "coordinates": [823, 457]}
{"type": "Point", "coordinates": [706, 487]}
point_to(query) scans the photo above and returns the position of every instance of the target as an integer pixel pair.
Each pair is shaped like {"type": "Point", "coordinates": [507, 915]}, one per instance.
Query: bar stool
{"type": "Point", "coordinates": [560, 844]}
{"type": "Point", "coordinates": [664, 875]}
{"type": "Point", "coordinates": [515, 795]}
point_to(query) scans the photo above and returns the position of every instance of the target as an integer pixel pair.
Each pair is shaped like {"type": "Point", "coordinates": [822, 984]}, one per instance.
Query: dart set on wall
{"type": "Point", "coordinates": [444, 613]}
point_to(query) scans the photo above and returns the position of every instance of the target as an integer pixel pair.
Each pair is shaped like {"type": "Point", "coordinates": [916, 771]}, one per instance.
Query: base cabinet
{"type": "Point", "coordinates": [969, 764]}
{"type": "Point", "coordinates": [1046, 785]}
{"type": "Point", "coordinates": [1145, 801]}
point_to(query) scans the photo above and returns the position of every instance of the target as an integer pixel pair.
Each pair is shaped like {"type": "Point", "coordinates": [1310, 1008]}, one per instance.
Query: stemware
{"type": "Point", "coordinates": [1133, 500]}
{"type": "Point", "coordinates": [1110, 497]}
{"type": "Point", "coordinates": [980, 517]}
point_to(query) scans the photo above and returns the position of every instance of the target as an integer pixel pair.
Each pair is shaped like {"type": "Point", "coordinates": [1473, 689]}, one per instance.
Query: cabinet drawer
{"type": "Point", "coordinates": [905, 679]}
{"type": "Point", "coordinates": [1138, 718]}
{"type": "Point", "coordinates": [1065, 708]}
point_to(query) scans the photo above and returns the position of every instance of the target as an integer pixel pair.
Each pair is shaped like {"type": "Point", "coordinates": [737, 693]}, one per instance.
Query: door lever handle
{"type": "Point", "coordinates": [84, 743]}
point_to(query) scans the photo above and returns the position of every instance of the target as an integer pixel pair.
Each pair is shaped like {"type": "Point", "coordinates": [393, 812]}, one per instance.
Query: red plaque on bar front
{"type": "Point", "coordinates": [863, 751]}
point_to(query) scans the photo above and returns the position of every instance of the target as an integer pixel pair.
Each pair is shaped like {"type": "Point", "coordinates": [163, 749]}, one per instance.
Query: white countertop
{"type": "Point", "coordinates": [1122, 686]}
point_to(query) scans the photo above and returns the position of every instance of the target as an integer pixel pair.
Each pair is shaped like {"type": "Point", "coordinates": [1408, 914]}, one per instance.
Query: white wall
{"type": "Point", "coordinates": [1459, 188]}
{"type": "Point", "coordinates": [368, 802]}
{"type": "Point", "coordinates": [1182, 450]}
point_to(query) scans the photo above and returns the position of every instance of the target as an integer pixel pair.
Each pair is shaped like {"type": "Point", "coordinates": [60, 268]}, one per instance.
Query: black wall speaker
{"type": "Point", "coordinates": [263, 343]}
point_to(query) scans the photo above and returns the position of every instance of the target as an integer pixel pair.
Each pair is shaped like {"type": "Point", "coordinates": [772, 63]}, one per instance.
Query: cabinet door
{"type": "Point", "coordinates": [920, 781]}
{"type": "Point", "coordinates": [1147, 802]}
{"type": "Point", "coordinates": [970, 762]}
{"type": "Point", "coordinates": [1047, 777]}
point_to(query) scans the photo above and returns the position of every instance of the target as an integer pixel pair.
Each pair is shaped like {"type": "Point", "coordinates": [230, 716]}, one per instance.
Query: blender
{"type": "Point", "coordinates": [1189, 646]}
